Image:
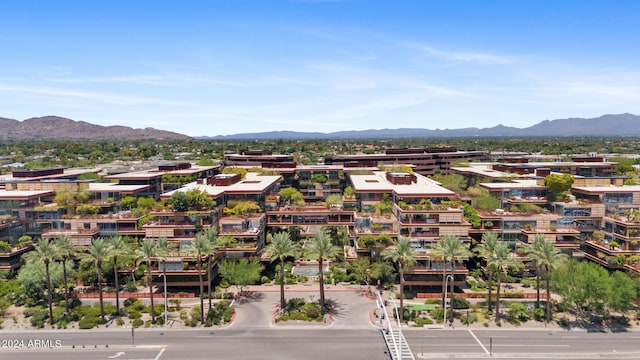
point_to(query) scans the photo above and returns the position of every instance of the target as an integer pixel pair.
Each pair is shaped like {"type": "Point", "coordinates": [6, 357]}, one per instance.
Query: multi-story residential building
{"type": "Point", "coordinates": [616, 244]}
{"type": "Point", "coordinates": [423, 211]}
{"type": "Point", "coordinates": [165, 178]}
{"type": "Point", "coordinates": [257, 158]}
{"type": "Point", "coordinates": [425, 161]}
{"type": "Point", "coordinates": [244, 234]}
{"type": "Point", "coordinates": [518, 192]}
{"type": "Point", "coordinates": [577, 168]}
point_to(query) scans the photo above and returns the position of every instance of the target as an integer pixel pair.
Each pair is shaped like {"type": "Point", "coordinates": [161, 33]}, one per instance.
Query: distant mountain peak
{"type": "Point", "coordinates": [56, 127]}
{"type": "Point", "coordinates": [606, 125]}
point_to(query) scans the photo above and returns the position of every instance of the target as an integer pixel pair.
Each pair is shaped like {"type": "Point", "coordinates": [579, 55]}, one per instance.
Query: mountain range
{"type": "Point", "coordinates": [54, 127]}
{"type": "Point", "coordinates": [606, 125]}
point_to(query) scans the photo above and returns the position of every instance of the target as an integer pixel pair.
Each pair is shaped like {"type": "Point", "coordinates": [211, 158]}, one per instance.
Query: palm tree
{"type": "Point", "coordinates": [45, 251]}
{"type": "Point", "coordinates": [502, 260]}
{"type": "Point", "coordinates": [323, 247]}
{"type": "Point", "coordinates": [548, 257]}
{"type": "Point", "coordinates": [281, 247]}
{"type": "Point", "coordinates": [212, 234]}
{"type": "Point", "coordinates": [146, 253]}
{"type": "Point", "coordinates": [117, 247]}
{"type": "Point", "coordinates": [405, 256]}
{"type": "Point", "coordinates": [484, 250]}
{"type": "Point", "coordinates": [65, 251]}
{"type": "Point", "coordinates": [201, 246]}
{"type": "Point", "coordinates": [98, 252]}
{"type": "Point", "coordinates": [534, 249]}
{"type": "Point", "coordinates": [450, 248]}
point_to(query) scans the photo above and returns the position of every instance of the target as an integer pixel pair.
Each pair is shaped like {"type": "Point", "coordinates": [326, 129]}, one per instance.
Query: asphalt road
{"type": "Point", "coordinates": [518, 344]}
{"type": "Point", "coordinates": [326, 343]}
{"type": "Point", "coordinates": [347, 335]}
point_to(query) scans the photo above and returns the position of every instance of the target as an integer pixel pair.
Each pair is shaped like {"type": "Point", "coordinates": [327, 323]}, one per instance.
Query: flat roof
{"type": "Point", "coordinates": [377, 182]}
{"type": "Point", "coordinates": [153, 173]}
{"type": "Point", "coordinates": [549, 164]}
{"type": "Point", "coordinates": [24, 195]}
{"type": "Point", "coordinates": [113, 187]}
{"type": "Point", "coordinates": [65, 173]}
{"type": "Point", "coordinates": [483, 169]}
{"type": "Point", "coordinates": [252, 183]}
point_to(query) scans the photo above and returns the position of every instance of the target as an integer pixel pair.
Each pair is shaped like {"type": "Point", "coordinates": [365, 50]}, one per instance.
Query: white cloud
{"type": "Point", "coordinates": [88, 95]}
{"type": "Point", "coordinates": [458, 56]}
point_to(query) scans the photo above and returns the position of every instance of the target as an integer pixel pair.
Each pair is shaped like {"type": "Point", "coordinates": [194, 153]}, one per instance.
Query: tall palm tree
{"type": "Point", "coordinates": [533, 251]}
{"type": "Point", "coordinates": [281, 247]}
{"type": "Point", "coordinates": [405, 256]}
{"type": "Point", "coordinates": [548, 257]}
{"type": "Point", "coordinates": [45, 251]}
{"type": "Point", "coordinates": [97, 253]}
{"type": "Point", "coordinates": [212, 235]}
{"type": "Point", "coordinates": [65, 251]}
{"type": "Point", "coordinates": [450, 248]}
{"type": "Point", "coordinates": [200, 247]}
{"type": "Point", "coordinates": [502, 260]}
{"type": "Point", "coordinates": [147, 251]}
{"type": "Point", "coordinates": [117, 248]}
{"type": "Point", "coordinates": [323, 247]}
{"type": "Point", "coordinates": [484, 250]}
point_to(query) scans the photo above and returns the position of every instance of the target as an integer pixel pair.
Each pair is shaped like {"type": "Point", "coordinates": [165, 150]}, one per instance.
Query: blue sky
{"type": "Point", "coordinates": [225, 67]}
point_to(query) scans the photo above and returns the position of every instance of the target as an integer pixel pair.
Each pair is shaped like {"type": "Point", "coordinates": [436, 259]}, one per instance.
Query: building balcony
{"type": "Point", "coordinates": [608, 250]}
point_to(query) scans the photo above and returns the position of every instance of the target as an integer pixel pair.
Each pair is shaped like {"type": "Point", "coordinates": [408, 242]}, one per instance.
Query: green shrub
{"type": "Point", "coordinates": [30, 311]}
{"type": "Point", "coordinates": [423, 321]}
{"type": "Point", "coordinates": [539, 314]}
{"type": "Point", "coordinates": [119, 322]}
{"type": "Point", "coordinates": [195, 313]}
{"type": "Point", "coordinates": [437, 314]}
{"type": "Point", "coordinates": [472, 317]}
{"type": "Point", "coordinates": [433, 302]}
{"type": "Point", "coordinates": [517, 313]}
{"type": "Point", "coordinates": [39, 317]}
{"type": "Point", "coordinates": [58, 312]}
{"type": "Point", "coordinates": [134, 314]}
{"type": "Point", "coordinates": [137, 323]}
{"type": "Point", "coordinates": [72, 303]}
{"type": "Point", "coordinates": [89, 322]}
{"type": "Point", "coordinates": [62, 324]}
{"type": "Point", "coordinates": [220, 312]}
{"type": "Point", "coordinates": [460, 303]}
{"type": "Point", "coordinates": [109, 308]}
{"type": "Point", "coordinates": [159, 309]}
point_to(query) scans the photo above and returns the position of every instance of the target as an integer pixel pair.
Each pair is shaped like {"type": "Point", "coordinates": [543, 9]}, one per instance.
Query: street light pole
{"type": "Point", "coordinates": [446, 280]}
{"type": "Point", "coordinates": [164, 277]}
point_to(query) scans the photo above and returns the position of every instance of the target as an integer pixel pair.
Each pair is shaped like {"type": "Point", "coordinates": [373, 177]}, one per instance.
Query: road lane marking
{"type": "Point", "coordinates": [479, 343]}
{"type": "Point", "coordinates": [160, 353]}
{"type": "Point", "coordinates": [516, 345]}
